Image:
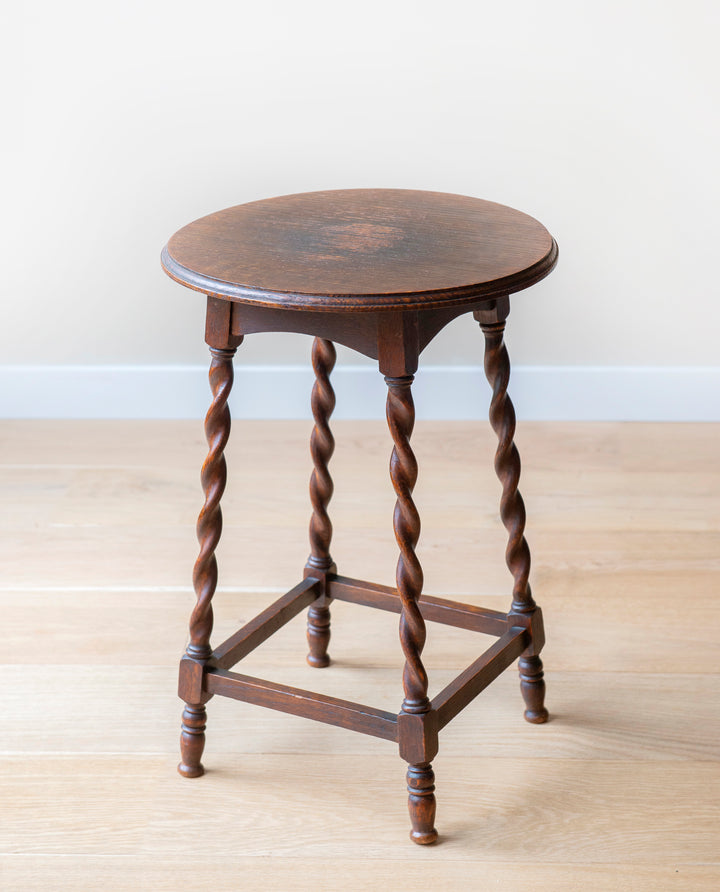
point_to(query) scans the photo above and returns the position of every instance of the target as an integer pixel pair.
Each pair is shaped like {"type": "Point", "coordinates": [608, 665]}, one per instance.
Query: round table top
{"type": "Point", "coordinates": [361, 249]}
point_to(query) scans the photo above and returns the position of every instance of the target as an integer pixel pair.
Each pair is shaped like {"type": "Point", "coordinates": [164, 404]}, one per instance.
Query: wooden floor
{"type": "Point", "coordinates": [621, 790]}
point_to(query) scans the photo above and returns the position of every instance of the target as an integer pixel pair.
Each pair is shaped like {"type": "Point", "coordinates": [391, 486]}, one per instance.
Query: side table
{"type": "Point", "coordinates": [381, 271]}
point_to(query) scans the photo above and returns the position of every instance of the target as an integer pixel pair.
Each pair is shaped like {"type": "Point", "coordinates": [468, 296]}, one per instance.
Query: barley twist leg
{"type": "Point", "coordinates": [322, 445]}
{"type": "Point", "coordinates": [205, 573]}
{"type": "Point", "coordinates": [512, 510]}
{"type": "Point", "coordinates": [409, 579]}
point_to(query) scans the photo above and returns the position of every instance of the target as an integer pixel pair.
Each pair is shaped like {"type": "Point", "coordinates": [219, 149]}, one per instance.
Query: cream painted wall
{"type": "Point", "coordinates": [135, 118]}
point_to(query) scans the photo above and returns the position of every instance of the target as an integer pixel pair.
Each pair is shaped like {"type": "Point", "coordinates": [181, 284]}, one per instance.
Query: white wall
{"type": "Point", "coordinates": [135, 118]}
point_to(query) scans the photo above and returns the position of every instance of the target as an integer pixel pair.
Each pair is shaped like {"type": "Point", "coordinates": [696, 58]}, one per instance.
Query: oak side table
{"type": "Point", "coordinates": [381, 271]}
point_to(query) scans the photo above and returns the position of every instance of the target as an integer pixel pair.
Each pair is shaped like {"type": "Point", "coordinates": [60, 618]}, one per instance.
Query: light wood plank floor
{"type": "Point", "coordinates": [620, 791]}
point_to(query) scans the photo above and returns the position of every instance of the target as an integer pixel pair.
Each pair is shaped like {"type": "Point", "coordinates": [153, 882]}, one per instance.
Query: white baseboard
{"type": "Point", "coordinates": [543, 393]}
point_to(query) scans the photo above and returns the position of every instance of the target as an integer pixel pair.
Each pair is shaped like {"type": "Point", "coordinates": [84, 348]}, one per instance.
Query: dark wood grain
{"type": "Point", "coordinates": [205, 573]}
{"type": "Point", "coordinates": [438, 610]}
{"type": "Point", "coordinates": [363, 249]}
{"type": "Point", "coordinates": [463, 690]}
{"type": "Point", "coordinates": [512, 507]}
{"type": "Point", "coordinates": [331, 710]}
{"type": "Point", "coordinates": [406, 524]}
{"type": "Point", "coordinates": [409, 580]}
{"type": "Point", "coordinates": [381, 271]}
{"type": "Point", "coordinates": [259, 629]}
{"type": "Point", "coordinates": [421, 803]}
{"type": "Point", "coordinates": [359, 331]}
{"type": "Point", "coordinates": [322, 444]}
{"type": "Point", "coordinates": [532, 687]}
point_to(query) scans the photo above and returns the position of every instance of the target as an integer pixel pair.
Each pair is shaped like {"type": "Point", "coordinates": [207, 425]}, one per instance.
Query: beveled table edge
{"type": "Point", "coordinates": [358, 303]}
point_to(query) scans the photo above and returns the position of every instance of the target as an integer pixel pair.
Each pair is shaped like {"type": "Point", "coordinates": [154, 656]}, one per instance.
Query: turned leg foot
{"type": "Point", "coordinates": [192, 741]}
{"type": "Point", "coordinates": [318, 636]}
{"type": "Point", "coordinates": [532, 685]}
{"type": "Point", "coordinates": [421, 803]}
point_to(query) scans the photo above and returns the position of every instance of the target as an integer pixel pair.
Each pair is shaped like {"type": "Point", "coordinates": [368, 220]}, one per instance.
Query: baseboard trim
{"type": "Point", "coordinates": [543, 393]}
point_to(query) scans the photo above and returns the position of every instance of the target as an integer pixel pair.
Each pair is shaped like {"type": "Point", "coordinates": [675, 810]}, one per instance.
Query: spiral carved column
{"type": "Point", "coordinates": [409, 580]}
{"type": "Point", "coordinates": [512, 509]}
{"type": "Point", "coordinates": [322, 446]}
{"type": "Point", "coordinates": [205, 573]}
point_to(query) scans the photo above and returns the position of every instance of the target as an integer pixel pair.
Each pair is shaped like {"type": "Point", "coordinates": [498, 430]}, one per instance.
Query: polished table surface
{"type": "Point", "coordinates": [361, 249]}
